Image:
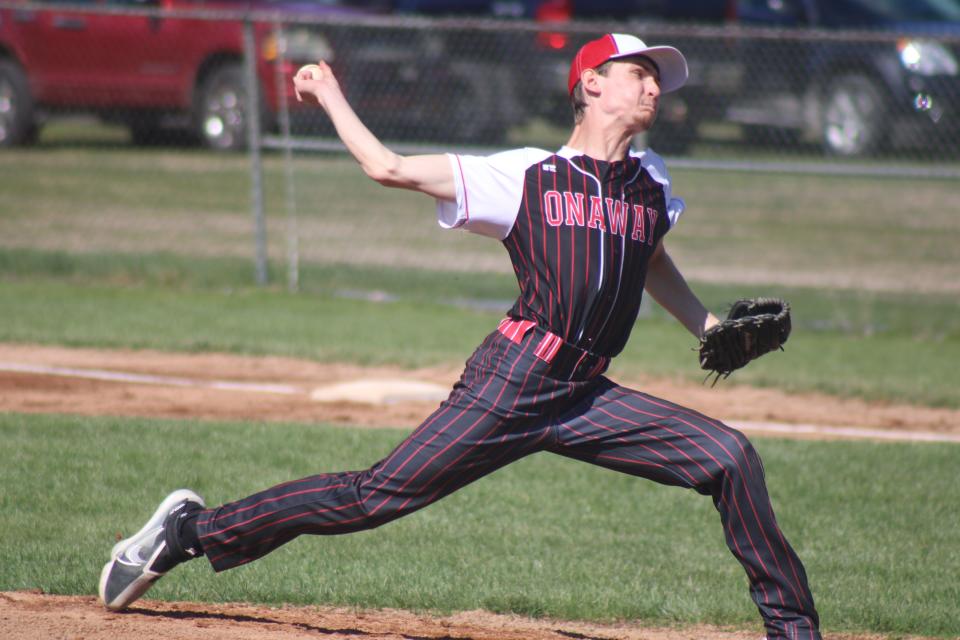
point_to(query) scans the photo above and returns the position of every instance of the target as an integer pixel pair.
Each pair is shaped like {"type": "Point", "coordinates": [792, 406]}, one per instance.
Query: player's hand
{"type": "Point", "coordinates": [316, 80]}
{"type": "Point", "coordinates": [710, 321]}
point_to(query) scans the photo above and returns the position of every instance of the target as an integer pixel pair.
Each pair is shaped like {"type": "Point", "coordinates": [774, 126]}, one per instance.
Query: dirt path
{"type": "Point", "coordinates": [36, 616]}
{"type": "Point", "coordinates": [45, 393]}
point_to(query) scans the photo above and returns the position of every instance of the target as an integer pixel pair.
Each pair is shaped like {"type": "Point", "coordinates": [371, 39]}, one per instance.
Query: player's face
{"type": "Point", "coordinates": [631, 91]}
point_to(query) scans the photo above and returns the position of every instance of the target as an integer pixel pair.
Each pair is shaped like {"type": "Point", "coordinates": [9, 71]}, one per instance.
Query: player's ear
{"type": "Point", "coordinates": [590, 81]}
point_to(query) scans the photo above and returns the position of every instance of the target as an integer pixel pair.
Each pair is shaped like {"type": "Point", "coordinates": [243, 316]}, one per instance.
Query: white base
{"type": "Point", "coordinates": [381, 391]}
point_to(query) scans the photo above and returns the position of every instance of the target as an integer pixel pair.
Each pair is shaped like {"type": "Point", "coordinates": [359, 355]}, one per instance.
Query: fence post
{"type": "Point", "coordinates": [293, 235]}
{"type": "Point", "coordinates": [253, 148]}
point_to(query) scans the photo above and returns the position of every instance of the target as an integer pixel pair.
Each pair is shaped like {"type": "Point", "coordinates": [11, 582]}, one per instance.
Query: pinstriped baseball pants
{"type": "Point", "coordinates": [510, 403]}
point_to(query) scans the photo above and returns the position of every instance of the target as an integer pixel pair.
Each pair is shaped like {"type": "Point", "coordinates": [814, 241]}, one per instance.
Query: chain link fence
{"type": "Point", "coordinates": [174, 73]}
{"type": "Point", "coordinates": [177, 76]}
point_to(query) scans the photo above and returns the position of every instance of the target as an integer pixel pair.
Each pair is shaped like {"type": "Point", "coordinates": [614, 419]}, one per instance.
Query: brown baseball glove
{"type": "Point", "coordinates": [753, 327]}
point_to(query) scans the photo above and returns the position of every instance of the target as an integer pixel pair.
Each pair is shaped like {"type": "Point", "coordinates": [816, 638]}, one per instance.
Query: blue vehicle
{"type": "Point", "coordinates": [890, 82]}
{"type": "Point", "coordinates": [894, 83]}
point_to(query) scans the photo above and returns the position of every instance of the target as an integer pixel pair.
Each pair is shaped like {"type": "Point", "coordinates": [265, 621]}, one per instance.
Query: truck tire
{"type": "Point", "coordinates": [17, 125]}
{"type": "Point", "coordinates": [854, 117]}
{"type": "Point", "coordinates": [221, 109]}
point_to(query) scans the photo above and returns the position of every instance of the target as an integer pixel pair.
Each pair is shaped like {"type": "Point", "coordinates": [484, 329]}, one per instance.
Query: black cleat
{"type": "Point", "coordinates": [140, 560]}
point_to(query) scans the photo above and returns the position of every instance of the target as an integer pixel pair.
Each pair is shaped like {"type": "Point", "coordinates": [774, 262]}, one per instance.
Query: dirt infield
{"type": "Point", "coordinates": [45, 393]}
{"type": "Point", "coordinates": [37, 616]}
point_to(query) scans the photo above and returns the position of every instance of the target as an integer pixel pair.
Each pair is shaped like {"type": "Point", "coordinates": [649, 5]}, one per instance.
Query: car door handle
{"type": "Point", "coordinates": [69, 22]}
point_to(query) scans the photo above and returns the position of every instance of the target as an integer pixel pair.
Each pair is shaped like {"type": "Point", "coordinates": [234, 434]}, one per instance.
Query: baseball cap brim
{"type": "Point", "coordinates": [613, 46]}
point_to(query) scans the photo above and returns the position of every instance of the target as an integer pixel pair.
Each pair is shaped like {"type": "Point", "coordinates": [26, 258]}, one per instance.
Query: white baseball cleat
{"type": "Point", "coordinates": [140, 560]}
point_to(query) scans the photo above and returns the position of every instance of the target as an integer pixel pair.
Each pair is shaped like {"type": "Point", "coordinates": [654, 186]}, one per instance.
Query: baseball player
{"type": "Point", "coordinates": [584, 228]}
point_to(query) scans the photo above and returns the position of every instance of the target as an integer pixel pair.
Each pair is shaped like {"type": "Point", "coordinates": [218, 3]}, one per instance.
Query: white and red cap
{"type": "Point", "coordinates": [612, 46]}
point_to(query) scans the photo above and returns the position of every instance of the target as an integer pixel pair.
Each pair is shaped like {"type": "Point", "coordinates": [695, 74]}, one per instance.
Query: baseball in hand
{"type": "Point", "coordinates": [309, 70]}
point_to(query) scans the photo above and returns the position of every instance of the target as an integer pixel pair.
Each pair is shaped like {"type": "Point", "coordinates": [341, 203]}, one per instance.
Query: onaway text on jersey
{"type": "Point", "coordinates": [605, 214]}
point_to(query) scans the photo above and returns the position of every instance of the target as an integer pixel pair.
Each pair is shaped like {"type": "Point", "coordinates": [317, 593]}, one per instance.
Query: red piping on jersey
{"type": "Point", "coordinates": [514, 330]}
{"type": "Point", "coordinates": [548, 347]}
{"type": "Point", "coordinates": [543, 260]}
{"type": "Point", "coordinates": [529, 260]}
{"type": "Point", "coordinates": [466, 200]}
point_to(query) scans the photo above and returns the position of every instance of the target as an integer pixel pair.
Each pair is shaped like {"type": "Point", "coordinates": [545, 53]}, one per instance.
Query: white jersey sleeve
{"type": "Point", "coordinates": [657, 169]}
{"type": "Point", "coordinates": [489, 191]}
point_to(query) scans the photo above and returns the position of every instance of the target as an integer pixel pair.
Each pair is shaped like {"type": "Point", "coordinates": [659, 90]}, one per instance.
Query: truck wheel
{"type": "Point", "coordinates": [853, 117]}
{"type": "Point", "coordinates": [17, 125]}
{"type": "Point", "coordinates": [221, 109]}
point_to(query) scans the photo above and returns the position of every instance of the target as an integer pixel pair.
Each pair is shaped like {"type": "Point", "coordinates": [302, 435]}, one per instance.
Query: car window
{"type": "Point", "coordinates": [679, 10]}
{"type": "Point", "coordinates": [872, 12]}
{"type": "Point", "coordinates": [780, 12]}
{"type": "Point", "coordinates": [133, 3]}
{"type": "Point", "coordinates": [362, 4]}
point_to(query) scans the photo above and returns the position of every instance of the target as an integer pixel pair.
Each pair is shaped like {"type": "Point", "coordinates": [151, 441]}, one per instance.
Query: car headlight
{"type": "Point", "coordinates": [927, 57]}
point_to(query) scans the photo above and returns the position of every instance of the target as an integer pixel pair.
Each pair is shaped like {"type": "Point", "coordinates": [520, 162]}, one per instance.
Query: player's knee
{"type": "Point", "coordinates": [377, 504]}
{"type": "Point", "coordinates": [741, 458]}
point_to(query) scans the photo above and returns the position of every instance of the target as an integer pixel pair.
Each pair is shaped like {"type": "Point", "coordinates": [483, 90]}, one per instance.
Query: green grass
{"type": "Point", "coordinates": [853, 312]}
{"type": "Point", "coordinates": [900, 347]}
{"type": "Point", "coordinates": [180, 273]}
{"type": "Point", "coordinates": [247, 321]}
{"type": "Point", "coordinates": [122, 247]}
{"type": "Point", "coordinates": [876, 234]}
{"type": "Point", "coordinates": [544, 537]}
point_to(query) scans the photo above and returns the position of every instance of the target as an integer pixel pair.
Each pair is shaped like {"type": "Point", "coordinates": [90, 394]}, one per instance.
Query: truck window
{"type": "Point", "coordinates": [780, 12]}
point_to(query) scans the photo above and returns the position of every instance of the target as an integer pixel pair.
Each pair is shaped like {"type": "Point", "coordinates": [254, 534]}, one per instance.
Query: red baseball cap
{"type": "Point", "coordinates": [672, 64]}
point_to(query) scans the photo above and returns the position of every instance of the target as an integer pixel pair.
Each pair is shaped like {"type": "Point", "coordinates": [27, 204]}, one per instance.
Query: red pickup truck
{"type": "Point", "coordinates": [154, 70]}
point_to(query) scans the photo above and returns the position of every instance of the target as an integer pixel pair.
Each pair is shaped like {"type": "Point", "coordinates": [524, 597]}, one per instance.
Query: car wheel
{"type": "Point", "coordinates": [17, 125]}
{"type": "Point", "coordinates": [853, 117]}
{"type": "Point", "coordinates": [221, 111]}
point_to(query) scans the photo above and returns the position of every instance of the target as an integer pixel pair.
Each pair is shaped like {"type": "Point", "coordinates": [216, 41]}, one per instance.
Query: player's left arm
{"type": "Point", "coordinates": [669, 288]}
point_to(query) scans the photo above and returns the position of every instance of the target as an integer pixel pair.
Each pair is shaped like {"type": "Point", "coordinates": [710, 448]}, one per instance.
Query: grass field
{"type": "Point", "coordinates": [544, 537]}
{"type": "Point", "coordinates": [119, 247]}
{"type": "Point", "coordinates": [871, 266]}
{"type": "Point", "coordinates": [913, 360]}
{"type": "Point", "coordinates": [875, 234]}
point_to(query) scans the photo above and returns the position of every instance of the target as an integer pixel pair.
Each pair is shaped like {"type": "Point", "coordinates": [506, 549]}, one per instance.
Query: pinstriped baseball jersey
{"type": "Point", "coordinates": [579, 233]}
